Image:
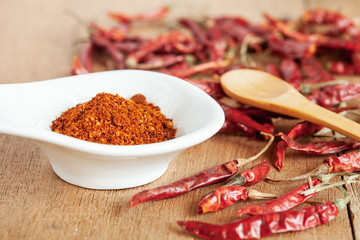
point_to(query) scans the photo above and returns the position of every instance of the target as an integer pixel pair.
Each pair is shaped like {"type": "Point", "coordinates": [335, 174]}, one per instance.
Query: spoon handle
{"type": "Point", "coordinates": [319, 115]}
{"type": "Point", "coordinates": [294, 104]}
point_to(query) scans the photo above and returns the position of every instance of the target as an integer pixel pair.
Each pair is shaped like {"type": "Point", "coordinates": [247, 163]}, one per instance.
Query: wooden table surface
{"type": "Point", "coordinates": [38, 41]}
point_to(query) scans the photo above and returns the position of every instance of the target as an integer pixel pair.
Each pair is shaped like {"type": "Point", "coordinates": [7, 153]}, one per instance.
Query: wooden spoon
{"type": "Point", "coordinates": [263, 90]}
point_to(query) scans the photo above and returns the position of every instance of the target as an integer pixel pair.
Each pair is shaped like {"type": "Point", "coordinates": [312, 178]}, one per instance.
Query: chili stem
{"type": "Point", "coordinates": [342, 202]}
{"type": "Point", "coordinates": [323, 186]}
{"type": "Point", "coordinates": [321, 170]}
{"type": "Point", "coordinates": [243, 161]}
{"type": "Point", "coordinates": [245, 59]}
{"type": "Point", "coordinates": [327, 177]}
{"type": "Point", "coordinates": [253, 194]}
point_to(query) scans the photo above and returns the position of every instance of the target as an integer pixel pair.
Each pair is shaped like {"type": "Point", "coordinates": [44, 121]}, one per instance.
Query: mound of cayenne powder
{"type": "Point", "coordinates": [111, 119]}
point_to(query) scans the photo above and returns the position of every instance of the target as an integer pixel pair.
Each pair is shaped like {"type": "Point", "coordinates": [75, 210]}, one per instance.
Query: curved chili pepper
{"type": "Point", "coordinates": [226, 196]}
{"type": "Point", "coordinates": [101, 38]}
{"type": "Point", "coordinates": [234, 191]}
{"type": "Point", "coordinates": [286, 202]}
{"type": "Point", "coordinates": [85, 56]}
{"type": "Point", "coordinates": [299, 130]}
{"type": "Point", "coordinates": [202, 67]}
{"type": "Point", "coordinates": [217, 43]}
{"type": "Point", "coordinates": [221, 198]}
{"type": "Point", "coordinates": [254, 174]}
{"type": "Point", "coordinates": [211, 88]}
{"type": "Point", "coordinates": [182, 186]}
{"type": "Point", "coordinates": [290, 48]}
{"type": "Point", "coordinates": [237, 116]}
{"type": "Point", "coordinates": [260, 226]}
{"type": "Point", "coordinates": [196, 30]}
{"type": "Point", "coordinates": [321, 147]}
{"type": "Point", "coordinates": [230, 126]}
{"type": "Point", "coordinates": [78, 68]}
{"type": "Point", "coordinates": [238, 29]}
{"type": "Point", "coordinates": [349, 162]}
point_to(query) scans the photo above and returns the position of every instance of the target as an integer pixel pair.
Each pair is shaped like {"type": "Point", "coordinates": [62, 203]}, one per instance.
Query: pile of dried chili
{"type": "Point", "coordinates": [201, 50]}
{"type": "Point", "coordinates": [111, 119]}
{"type": "Point", "coordinates": [306, 52]}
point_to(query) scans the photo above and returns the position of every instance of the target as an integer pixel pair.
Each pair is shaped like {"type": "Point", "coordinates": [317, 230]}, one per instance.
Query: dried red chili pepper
{"type": "Point", "coordinates": [285, 202]}
{"type": "Point", "coordinates": [238, 29]}
{"type": "Point", "coordinates": [318, 39]}
{"type": "Point", "coordinates": [182, 186]}
{"type": "Point", "coordinates": [324, 16]}
{"type": "Point", "coordinates": [202, 67]}
{"type": "Point", "coordinates": [299, 130]}
{"type": "Point", "coordinates": [349, 162]}
{"type": "Point", "coordinates": [315, 72]}
{"type": "Point", "coordinates": [335, 94]}
{"type": "Point", "coordinates": [254, 174]}
{"type": "Point", "coordinates": [212, 88]}
{"type": "Point", "coordinates": [218, 43]}
{"type": "Point", "coordinates": [321, 147]}
{"type": "Point", "coordinates": [290, 72]}
{"type": "Point", "coordinates": [230, 126]}
{"type": "Point", "coordinates": [197, 31]}
{"type": "Point", "coordinates": [201, 179]}
{"type": "Point", "coordinates": [130, 44]}
{"type": "Point", "coordinates": [100, 39]}
{"type": "Point", "coordinates": [85, 56]}
{"type": "Point", "coordinates": [142, 54]}
{"type": "Point", "coordinates": [78, 68]}
{"type": "Point", "coordinates": [260, 226]}
{"type": "Point", "coordinates": [237, 116]}
{"type": "Point", "coordinates": [290, 48]}
{"type": "Point", "coordinates": [226, 196]}
{"type": "Point", "coordinates": [234, 191]}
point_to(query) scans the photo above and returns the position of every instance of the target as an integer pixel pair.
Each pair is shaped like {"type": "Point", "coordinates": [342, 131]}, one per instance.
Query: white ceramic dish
{"type": "Point", "coordinates": [27, 110]}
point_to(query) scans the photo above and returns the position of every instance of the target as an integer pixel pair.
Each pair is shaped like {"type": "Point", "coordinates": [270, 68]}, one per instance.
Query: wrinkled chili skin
{"type": "Point", "coordinates": [237, 116]}
{"type": "Point", "coordinates": [256, 173]}
{"type": "Point", "coordinates": [321, 147]}
{"type": "Point", "coordinates": [234, 191]}
{"type": "Point", "coordinates": [333, 95]}
{"type": "Point", "coordinates": [349, 162]}
{"type": "Point", "coordinates": [283, 203]}
{"type": "Point", "coordinates": [182, 186]}
{"type": "Point", "coordinates": [221, 198]}
{"type": "Point", "coordinates": [299, 130]}
{"type": "Point", "coordinates": [260, 226]}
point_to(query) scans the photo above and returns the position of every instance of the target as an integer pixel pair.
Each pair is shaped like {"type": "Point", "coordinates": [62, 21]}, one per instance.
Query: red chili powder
{"type": "Point", "coordinates": [111, 119]}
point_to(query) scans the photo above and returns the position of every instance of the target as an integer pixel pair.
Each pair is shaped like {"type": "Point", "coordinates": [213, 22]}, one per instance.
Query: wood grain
{"type": "Point", "coordinates": [39, 40]}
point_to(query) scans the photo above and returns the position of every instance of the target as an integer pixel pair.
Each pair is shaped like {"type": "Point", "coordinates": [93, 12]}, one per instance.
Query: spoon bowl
{"type": "Point", "coordinates": [28, 109]}
{"type": "Point", "coordinates": [263, 90]}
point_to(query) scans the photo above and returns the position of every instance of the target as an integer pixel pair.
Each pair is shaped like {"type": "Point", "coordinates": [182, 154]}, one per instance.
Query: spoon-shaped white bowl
{"type": "Point", "coordinates": [28, 109]}
{"type": "Point", "coordinates": [263, 90]}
